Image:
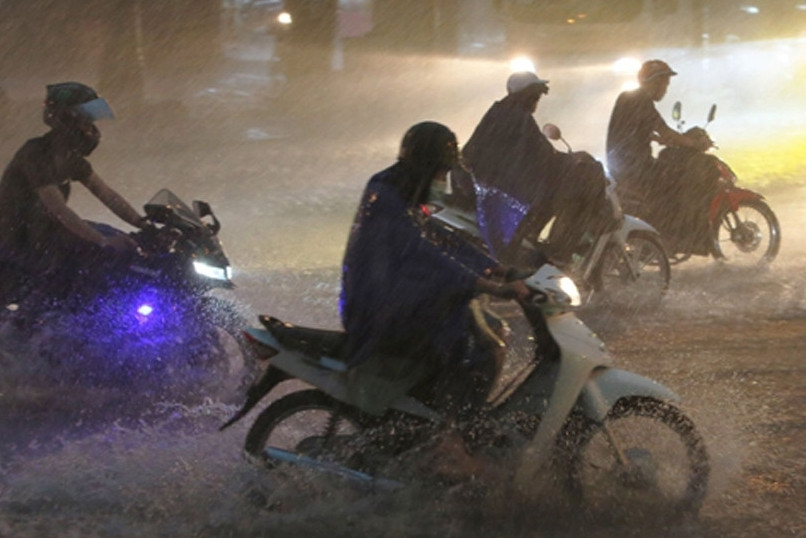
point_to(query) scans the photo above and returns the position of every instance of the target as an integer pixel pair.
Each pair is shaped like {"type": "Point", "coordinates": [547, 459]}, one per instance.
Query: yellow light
{"type": "Point", "coordinates": [284, 18]}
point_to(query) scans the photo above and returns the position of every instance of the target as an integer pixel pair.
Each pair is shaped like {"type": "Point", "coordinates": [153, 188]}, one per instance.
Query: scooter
{"type": "Point", "coordinates": [620, 441]}
{"type": "Point", "coordinates": [732, 224]}
{"type": "Point", "coordinates": [625, 268]}
{"type": "Point", "coordinates": [156, 319]}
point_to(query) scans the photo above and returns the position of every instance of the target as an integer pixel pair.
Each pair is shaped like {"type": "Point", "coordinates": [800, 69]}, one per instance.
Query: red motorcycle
{"type": "Point", "coordinates": [700, 211]}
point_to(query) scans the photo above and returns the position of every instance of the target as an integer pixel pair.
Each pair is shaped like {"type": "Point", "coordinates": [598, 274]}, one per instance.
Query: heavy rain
{"type": "Point", "coordinates": [276, 114]}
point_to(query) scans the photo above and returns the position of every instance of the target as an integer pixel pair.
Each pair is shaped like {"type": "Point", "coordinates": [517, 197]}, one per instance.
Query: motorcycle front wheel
{"type": "Point", "coordinates": [646, 460]}
{"type": "Point", "coordinates": [636, 278]}
{"type": "Point", "coordinates": [748, 236]}
{"type": "Point", "coordinates": [307, 423]}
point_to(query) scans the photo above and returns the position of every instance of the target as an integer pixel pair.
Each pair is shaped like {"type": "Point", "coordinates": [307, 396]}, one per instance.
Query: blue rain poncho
{"type": "Point", "coordinates": [405, 286]}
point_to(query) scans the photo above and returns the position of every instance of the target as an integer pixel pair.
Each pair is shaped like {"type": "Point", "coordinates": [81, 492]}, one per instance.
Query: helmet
{"type": "Point", "coordinates": [522, 80]}
{"type": "Point", "coordinates": [71, 108]}
{"type": "Point", "coordinates": [429, 146]}
{"type": "Point", "coordinates": [653, 69]}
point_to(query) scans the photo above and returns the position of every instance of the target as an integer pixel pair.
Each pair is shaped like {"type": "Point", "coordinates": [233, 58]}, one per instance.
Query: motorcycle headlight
{"type": "Point", "coordinates": [570, 289]}
{"type": "Point", "coordinates": [212, 271]}
{"type": "Point", "coordinates": [284, 18]}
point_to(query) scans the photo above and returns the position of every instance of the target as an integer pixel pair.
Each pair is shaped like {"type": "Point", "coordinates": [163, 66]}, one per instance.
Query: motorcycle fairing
{"type": "Point", "coordinates": [361, 386]}
{"type": "Point", "coordinates": [585, 380]}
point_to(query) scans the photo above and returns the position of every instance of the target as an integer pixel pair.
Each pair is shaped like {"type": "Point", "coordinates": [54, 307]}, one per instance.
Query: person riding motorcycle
{"type": "Point", "coordinates": [634, 124]}
{"type": "Point", "coordinates": [39, 233]}
{"type": "Point", "coordinates": [406, 287]}
{"type": "Point", "coordinates": [509, 152]}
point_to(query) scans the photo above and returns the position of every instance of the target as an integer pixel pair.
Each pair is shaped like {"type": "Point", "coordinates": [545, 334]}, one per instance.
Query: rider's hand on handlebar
{"type": "Point", "coordinates": [515, 290]}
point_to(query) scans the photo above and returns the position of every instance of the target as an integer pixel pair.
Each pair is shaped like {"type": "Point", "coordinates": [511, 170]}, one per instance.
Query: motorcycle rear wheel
{"type": "Point", "coordinates": [620, 288]}
{"type": "Point", "coordinates": [665, 475]}
{"type": "Point", "coordinates": [749, 236]}
{"type": "Point", "coordinates": [308, 423]}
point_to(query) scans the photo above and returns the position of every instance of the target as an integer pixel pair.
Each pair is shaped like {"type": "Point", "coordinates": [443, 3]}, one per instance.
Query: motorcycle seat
{"type": "Point", "coordinates": [308, 340]}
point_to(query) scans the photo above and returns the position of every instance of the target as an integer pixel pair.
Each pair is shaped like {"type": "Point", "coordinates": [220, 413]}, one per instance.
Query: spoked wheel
{"type": "Point", "coordinates": [634, 279]}
{"type": "Point", "coordinates": [748, 236]}
{"type": "Point", "coordinates": [646, 460]}
{"type": "Point", "coordinates": [308, 423]}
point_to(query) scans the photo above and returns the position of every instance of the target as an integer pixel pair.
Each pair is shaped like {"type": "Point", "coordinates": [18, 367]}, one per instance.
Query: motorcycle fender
{"type": "Point", "coordinates": [730, 198]}
{"type": "Point", "coordinates": [633, 224]}
{"type": "Point", "coordinates": [606, 386]}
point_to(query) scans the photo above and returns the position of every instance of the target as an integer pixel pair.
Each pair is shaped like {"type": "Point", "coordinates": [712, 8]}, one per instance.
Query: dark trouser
{"type": "Point", "coordinates": [67, 264]}
{"type": "Point", "coordinates": [577, 203]}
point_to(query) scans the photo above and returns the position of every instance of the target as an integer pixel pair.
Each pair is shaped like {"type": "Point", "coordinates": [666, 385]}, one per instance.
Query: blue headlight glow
{"type": "Point", "coordinates": [212, 271]}
{"type": "Point", "coordinates": [145, 310]}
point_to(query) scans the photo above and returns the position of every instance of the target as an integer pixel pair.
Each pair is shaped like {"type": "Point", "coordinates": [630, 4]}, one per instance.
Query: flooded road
{"type": "Point", "coordinates": [90, 464]}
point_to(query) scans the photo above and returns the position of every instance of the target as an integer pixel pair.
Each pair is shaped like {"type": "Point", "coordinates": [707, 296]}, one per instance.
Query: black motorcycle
{"type": "Point", "coordinates": [154, 322]}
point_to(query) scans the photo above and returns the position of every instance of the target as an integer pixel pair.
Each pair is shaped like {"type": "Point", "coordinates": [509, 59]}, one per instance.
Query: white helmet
{"type": "Point", "coordinates": [523, 79]}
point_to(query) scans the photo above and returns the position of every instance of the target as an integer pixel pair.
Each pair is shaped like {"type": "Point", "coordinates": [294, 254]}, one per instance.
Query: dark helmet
{"type": "Point", "coordinates": [429, 147]}
{"type": "Point", "coordinates": [71, 109]}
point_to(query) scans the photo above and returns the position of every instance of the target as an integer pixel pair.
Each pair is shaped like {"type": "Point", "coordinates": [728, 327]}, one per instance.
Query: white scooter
{"type": "Point", "coordinates": [619, 440]}
{"type": "Point", "coordinates": [626, 268]}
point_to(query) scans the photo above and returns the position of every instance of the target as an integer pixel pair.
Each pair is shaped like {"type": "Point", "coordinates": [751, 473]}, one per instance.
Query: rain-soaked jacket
{"type": "Point", "coordinates": [404, 289]}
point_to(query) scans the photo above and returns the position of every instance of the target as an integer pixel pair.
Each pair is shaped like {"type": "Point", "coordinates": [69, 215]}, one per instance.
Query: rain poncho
{"type": "Point", "coordinates": [405, 289]}
{"type": "Point", "coordinates": [508, 151]}
{"type": "Point", "coordinates": [520, 172]}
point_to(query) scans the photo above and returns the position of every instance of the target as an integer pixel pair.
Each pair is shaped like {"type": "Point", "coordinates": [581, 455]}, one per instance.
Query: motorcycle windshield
{"type": "Point", "coordinates": [165, 206]}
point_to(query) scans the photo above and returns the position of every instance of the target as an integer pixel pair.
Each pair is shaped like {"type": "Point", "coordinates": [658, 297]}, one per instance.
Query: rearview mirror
{"type": "Point", "coordinates": [552, 132]}
{"type": "Point", "coordinates": [677, 111]}
{"type": "Point", "coordinates": [712, 113]}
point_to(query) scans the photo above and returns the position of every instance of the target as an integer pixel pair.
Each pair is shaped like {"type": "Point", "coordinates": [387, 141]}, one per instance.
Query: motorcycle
{"type": "Point", "coordinates": [625, 268]}
{"type": "Point", "coordinates": [154, 320]}
{"type": "Point", "coordinates": [620, 441]}
{"type": "Point", "coordinates": [729, 223]}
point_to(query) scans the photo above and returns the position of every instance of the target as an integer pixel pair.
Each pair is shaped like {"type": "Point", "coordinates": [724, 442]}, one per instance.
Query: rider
{"type": "Point", "coordinates": [509, 152]}
{"type": "Point", "coordinates": [404, 290]}
{"type": "Point", "coordinates": [634, 124]}
{"type": "Point", "coordinates": [38, 231]}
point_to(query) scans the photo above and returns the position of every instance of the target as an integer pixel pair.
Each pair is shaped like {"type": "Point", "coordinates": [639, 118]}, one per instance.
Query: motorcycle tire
{"type": "Point", "coordinates": [749, 236]}
{"type": "Point", "coordinates": [665, 472]}
{"type": "Point", "coordinates": [307, 422]}
{"type": "Point", "coordinates": [615, 284]}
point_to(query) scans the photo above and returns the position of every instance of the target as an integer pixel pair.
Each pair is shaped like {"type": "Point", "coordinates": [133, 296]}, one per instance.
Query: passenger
{"type": "Point", "coordinates": [508, 152]}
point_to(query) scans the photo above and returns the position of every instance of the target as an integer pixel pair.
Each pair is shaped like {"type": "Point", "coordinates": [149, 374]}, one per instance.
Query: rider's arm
{"type": "Point", "coordinates": [510, 290]}
{"type": "Point", "coordinates": [114, 201]}
{"type": "Point", "coordinates": [53, 200]}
